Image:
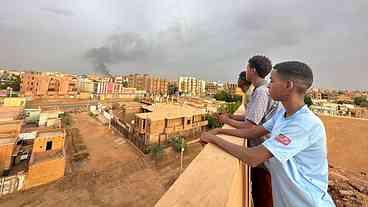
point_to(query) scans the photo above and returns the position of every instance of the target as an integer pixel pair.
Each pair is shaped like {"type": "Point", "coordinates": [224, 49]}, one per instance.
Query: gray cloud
{"type": "Point", "coordinates": [58, 11]}
{"type": "Point", "coordinates": [209, 40]}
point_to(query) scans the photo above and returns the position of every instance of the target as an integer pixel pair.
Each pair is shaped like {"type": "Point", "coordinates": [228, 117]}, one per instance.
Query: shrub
{"type": "Point", "coordinates": [156, 151]}
{"type": "Point", "coordinates": [178, 143]}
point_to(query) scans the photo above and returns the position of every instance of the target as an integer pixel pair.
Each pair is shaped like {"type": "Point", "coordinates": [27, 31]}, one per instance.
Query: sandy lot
{"type": "Point", "coordinates": [347, 141]}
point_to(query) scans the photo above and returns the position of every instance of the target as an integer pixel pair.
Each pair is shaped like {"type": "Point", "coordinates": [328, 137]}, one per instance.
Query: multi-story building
{"type": "Point", "coordinates": [151, 84]}
{"type": "Point", "coordinates": [160, 122]}
{"type": "Point", "coordinates": [212, 88]}
{"type": "Point", "coordinates": [48, 84]}
{"type": "Point", "coordinates": [191, 86]}
{"type": "Point", "coordinates": [34, 84]}
{"type": "Point", "coordinates": [122, 80]}
{"type": "Point", "coordinates": [69, 85]}
{"type": "Point", "coordinates": [233, 89]}
{"type": "Point", "coordinates": [315, 93]}
{"type": "Point", "coordinates": [86, 85]}
{"type": "Point", "coordinates": [105, 89]}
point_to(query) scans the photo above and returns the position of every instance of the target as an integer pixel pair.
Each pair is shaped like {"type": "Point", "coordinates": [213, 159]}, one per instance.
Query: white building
{"type": "Point", "coordinates": [86, 85]}
{"type": "Point", "coordinates": [191, 86]}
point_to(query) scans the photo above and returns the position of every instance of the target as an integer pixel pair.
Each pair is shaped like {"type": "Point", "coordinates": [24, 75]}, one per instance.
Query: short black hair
{"type": "Point", "coordinates": [296, 71]}
{"type": "Point", "coordinates": [261, 64]}
{"type": "Point", "coordinates": [243, 78]}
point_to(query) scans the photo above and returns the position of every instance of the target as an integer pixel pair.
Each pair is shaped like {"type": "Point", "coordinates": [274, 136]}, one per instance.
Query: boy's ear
{"type": "Point", "coordinates": [289, 84]}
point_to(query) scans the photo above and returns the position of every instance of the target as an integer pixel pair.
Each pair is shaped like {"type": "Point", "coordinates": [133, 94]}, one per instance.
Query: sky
{"type": "Point", "coordinates": [210, 40]}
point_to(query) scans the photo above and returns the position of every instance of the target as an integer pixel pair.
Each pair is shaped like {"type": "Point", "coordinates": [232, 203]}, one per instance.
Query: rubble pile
{"type": "Point", "coordinates": [348, 188]}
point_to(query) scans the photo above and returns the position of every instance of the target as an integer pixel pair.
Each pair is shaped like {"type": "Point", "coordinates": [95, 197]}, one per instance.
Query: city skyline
{"type": "Point", "coordinates": [172, 39]}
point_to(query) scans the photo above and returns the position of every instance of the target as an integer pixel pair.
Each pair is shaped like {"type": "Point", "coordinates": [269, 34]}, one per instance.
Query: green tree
{"type": "Point", "coordinates": [178, 143]}
{"type": "Point", "coordinates": [157, 151]}
{"type": "Point", "coordinates": [172, 89]}
{"type": "Point", "coordinates": [125, 84]}
{"type": "Point", "coordinates": [229, 107]}
{"type": "Point", "coordinates": [213, 122]}
{"type": "Point", "coordinates": [227, 97]}
{"type": "Point", "coordinates": [308, 100]}
{"type": "Point", "coordinates": [360, 100]}
{"type": "Point", "coordinates": [10, 81]}
{"type": "Point", "coordinates": [222, 96]}
{"type": "Point", "coordinates": [66, 119]}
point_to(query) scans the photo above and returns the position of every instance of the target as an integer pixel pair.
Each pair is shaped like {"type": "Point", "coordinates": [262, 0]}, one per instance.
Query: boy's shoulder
{"type": "Point", "coordinates": [261, 90]}
{"type": "Point", "coordinates": [308, 120]}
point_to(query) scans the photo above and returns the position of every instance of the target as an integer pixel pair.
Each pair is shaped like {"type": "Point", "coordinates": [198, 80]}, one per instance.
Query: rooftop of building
{"type": "Point", "coordinates": [8, 139]}
{"type": "Point", "coordinates": [132, 104]}
{"type": "Point", "coordinates": [10, 129]}
{"type": "Point", "coordinates": [45, 156]}
{"type": "Point", "coordinates": [10, 113]}
{"type": "Point", "coordinates": [169, 111]}
{"type": "Point", "coordinates": [50, 133]}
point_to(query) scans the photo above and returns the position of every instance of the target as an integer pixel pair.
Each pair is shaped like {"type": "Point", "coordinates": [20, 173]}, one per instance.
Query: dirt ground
{"type": "Point", "coordinates": [114, 174]}
{"type": "Point", "coordinates": [347, 141]}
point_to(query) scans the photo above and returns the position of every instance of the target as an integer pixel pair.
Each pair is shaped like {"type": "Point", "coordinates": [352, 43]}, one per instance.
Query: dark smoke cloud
{"type": "Point", "coordinates": [64, 12]}
{"type": "Point", "coordinates": [123, 47]}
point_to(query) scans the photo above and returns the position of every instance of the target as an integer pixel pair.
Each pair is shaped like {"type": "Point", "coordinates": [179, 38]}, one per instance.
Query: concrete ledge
{"type": "Point", "coordinates": [213, 179]}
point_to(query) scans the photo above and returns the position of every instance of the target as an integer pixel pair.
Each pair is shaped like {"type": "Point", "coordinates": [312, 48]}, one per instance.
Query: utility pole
{"type": "Point", "coordinates": [181, 155]}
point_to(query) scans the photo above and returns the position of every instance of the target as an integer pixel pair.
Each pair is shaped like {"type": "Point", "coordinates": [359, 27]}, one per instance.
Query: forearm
{"type": "Point", "coordinates": [236, 124]}
{"type": "Point", "coordinates": [251, 156]}
{"type": "Point", "coordinates": [233, 132]}
{"type": "Point", "coordinates": [245, 133]}
{"type": "Point", "coordinates": [237, 117]}
{"type": "Point", "coordinates": [233, 149]}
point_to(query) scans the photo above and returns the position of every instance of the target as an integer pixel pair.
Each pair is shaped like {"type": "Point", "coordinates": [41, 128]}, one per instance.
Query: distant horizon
{"type": "Point", "coordinates": [170, 79]}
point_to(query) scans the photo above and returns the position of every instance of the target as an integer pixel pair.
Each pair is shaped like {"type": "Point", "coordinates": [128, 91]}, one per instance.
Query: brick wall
{"type": "Point", "coordinates": [5, 157]}
{"type": "Point", "coordinates": [40, 143]}
{"type": "Point", "coordinates": [44, 172]}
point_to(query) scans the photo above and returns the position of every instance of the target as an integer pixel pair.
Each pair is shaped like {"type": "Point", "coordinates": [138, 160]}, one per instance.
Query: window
{"type": "Point", "coordinates": [48, 145]}
{"type": "Point", "coordinates": [188, 121]}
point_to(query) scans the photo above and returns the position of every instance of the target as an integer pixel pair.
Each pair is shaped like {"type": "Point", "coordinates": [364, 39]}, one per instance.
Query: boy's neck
{"type": "Point", "coordinates": [257, 81]}
{"type": "Point", "coordinates": [293, 105]}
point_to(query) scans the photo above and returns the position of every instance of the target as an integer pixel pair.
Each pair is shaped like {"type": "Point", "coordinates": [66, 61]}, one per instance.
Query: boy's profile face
{"type": "Point", "coordinates": [244, 87]}
{"type": "Point", "coordinates": [278, 87]}
{"type": "Point", "coordinates": [249, 73]}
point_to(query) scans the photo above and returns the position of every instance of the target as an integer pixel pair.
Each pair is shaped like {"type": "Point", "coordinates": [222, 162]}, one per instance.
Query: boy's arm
{"type": "Point", "coordinates": [252, 156]}
{"type": "Point", "coordinates": [237, 117]}
{"type": "Point", "coordinates": [247, 133]}
{"type": "Point", "coordinates": [236, 121]}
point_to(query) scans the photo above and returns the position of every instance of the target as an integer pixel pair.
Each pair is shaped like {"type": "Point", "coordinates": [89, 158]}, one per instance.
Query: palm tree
{"type": "Point", "coordinates": [156, 152]}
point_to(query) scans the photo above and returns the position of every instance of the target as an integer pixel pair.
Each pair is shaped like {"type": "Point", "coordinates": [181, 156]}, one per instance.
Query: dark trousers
{"type": "Point", "coordinates": [261, 187]}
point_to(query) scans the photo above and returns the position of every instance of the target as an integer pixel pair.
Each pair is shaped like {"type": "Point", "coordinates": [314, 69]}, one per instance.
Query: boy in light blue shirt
{"type": "Point", "coordinates": [296, 152]}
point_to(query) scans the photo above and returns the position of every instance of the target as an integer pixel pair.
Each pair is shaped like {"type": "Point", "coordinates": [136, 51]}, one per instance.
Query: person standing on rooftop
{"type": "Point", "coordinates": [260, 103]}
{"type": "Point", "coordinates": [296, 152]}
{"type": "Point", "coordinates": [244, 85]}
{"type": "Point", "coordinates": [260, 108]}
